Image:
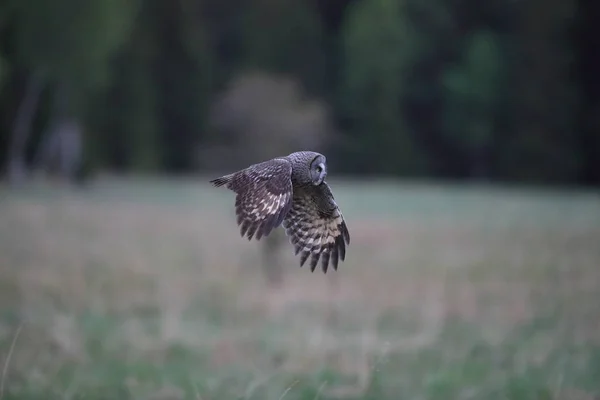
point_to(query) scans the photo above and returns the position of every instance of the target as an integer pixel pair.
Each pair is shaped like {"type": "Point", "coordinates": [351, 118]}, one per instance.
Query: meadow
{"type": "Point", "coordinates": [144, 289]}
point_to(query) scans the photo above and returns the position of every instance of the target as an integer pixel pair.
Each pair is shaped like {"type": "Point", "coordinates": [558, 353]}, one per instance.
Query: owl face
{"type": "Point", "coordinates": [318, 170]}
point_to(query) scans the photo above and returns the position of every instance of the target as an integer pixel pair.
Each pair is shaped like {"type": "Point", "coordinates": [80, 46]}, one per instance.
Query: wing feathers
{"type": "Point", "coordinates": [316, 227]}
{"type": "Point", "coordinates": [263, 196]}
{"type": "Point", "coordinates": [218, 182]}
{"type": "Point", "coordinates": [310, 216]}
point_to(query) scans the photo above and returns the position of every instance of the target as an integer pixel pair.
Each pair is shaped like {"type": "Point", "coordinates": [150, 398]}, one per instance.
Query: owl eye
{"type": "Point", "coordinates": [319, 169]}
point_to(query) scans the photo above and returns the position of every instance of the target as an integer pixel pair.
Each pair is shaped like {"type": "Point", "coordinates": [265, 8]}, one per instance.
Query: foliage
{"type": "Point", "coordinates": [377, 37]}
{"type": "Point", "coordinates": [472, 97]}
{"type": "Point", "coordinates": [289, 40]}
{"type": "Point", "coordinates": [442, 88]}
{"type": "Point", "coordinates": [138, 289]}
{"type": "Point", "coordinates": [68, 40]}
{"type": "Point", "coordinates": [268, 109]}
{"type": "Point", "coordinates": [546, 133]}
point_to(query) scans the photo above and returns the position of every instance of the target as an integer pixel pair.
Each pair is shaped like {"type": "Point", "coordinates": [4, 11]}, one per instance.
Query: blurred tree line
{"type": "Point", "coordinates": [495, 90]}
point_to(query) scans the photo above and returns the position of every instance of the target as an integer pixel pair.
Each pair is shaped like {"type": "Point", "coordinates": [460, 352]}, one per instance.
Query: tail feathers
{"type": "Point", "coordinates": [222, 180]}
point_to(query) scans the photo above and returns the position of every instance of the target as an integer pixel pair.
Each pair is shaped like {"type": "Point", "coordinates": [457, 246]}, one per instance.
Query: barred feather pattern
{"type": "Point", "coordinates": [263, 196]}
{"type": "Point", "coordinates": [316, 227]}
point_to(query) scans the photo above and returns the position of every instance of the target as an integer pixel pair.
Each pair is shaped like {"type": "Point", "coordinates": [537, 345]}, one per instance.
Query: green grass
{"type": "Point", "coordinates": [143, 289]}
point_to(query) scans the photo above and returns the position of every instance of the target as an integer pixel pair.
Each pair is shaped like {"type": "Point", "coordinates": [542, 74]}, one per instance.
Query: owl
{"type": "Point", "coordinates": [291, 191]}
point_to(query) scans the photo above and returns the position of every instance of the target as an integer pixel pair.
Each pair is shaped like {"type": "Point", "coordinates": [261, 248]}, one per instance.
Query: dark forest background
{"type": "Point", "coordinates": [499, 90]}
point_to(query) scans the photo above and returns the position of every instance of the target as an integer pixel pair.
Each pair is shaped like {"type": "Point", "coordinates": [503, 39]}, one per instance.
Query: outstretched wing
{"type": "Point", "coordinates": [264, 193]}
{"type": "Point", "coordinates": [316, 227]}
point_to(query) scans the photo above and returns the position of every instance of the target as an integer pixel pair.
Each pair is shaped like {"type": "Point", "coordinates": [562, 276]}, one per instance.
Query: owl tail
{"type": "Point", "coordinates": [222, 180]}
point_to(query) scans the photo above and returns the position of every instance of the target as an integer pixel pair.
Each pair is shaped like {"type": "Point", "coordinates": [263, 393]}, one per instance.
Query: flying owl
{"type": "Point", "coordinates": [291, 191]}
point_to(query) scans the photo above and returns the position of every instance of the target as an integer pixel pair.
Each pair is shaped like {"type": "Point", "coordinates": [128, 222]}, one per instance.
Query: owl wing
{"type": "Point", "coordinates": [263, 196]}
{"type": "Point", "coordinates": [316, 227]}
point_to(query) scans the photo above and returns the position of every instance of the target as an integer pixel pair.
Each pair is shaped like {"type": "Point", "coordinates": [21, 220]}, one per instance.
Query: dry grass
{"type": "Point", "coordinates": [142, 289]}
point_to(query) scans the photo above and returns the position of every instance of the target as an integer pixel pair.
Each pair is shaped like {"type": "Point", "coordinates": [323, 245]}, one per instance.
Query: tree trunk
{"type": "Point", "coordinates": [479, 163]}
{"type": "Point", "coordinates": [62, 147]}
{"type": "Point", "coordinates": [21, 130]}
{"type": "Point", "coordinates": [479, 153]}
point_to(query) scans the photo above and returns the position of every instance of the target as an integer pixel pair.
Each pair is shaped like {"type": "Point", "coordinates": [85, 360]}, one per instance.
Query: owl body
{"type": "Point", "coordinates": [291, 191]}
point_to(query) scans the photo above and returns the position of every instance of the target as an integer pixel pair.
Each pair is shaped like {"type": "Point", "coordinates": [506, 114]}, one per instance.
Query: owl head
{"type": "Point", "coordinates": [313, 166]}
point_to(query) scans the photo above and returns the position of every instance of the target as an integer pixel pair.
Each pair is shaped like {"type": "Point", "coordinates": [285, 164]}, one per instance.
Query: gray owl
{"type": "Point", "coordinates": [291, 191]}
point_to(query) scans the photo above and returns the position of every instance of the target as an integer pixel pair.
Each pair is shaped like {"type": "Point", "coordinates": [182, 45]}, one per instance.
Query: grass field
{"type": "Point", "coordinates": [144, 290]}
